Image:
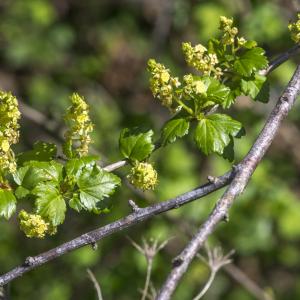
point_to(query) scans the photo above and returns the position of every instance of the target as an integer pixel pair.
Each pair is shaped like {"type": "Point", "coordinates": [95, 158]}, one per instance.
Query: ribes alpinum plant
{"type": "Point", "coordinates": [221, 71]}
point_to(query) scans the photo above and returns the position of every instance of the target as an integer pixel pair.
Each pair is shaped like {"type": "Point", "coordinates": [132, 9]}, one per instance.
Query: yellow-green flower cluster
{"type": "Point", "coordinates": [198, 58]}
{"type": "Point", "coordinates": [229, 31]}
{"type": "Point", "coordinates": [34, 226]}
{"type": "Point", "coordinates": [143, 176]}
{"type": "Point", "coordinates": [192, 86]}
{"type": "Point", "coordinates": [80, 126]}
{"type": "Point", "coordinates": [162, 84]}
{"type": "Point", "coordinates": [9, 130]}
{"type": "Point", "coordinates": [294, 28]}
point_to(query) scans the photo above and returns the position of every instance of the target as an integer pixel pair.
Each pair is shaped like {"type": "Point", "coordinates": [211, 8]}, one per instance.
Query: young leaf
{"type": "Point", "coordinates": [173, 129]}
{"type": "Point", "coordinates": [41, 152]}
{"type": "Point", "coordinates": [250, 61]}
{"type": "Point", "coordinates": [35, 172]}
{"type": "Point", "coordinates": [7, 203]}
{"type": "Point", "coordinates": [50, 203]}
{"type": "Point", "coordinates": [252, 86]}
{"type": "Point", "coordinates": [135, 144]}
{"type": "Point", "coordinates": [217, 92]}
{"type": "Point", "coordinates": [213, 133]}
{"type": "Point", "coordinates": [73, 167]}
{"type": "Point", "coordinates": [95, 185]}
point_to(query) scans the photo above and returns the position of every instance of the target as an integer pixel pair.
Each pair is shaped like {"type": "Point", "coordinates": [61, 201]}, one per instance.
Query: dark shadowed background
{"type": "Point", "coordinates": [48, 49]}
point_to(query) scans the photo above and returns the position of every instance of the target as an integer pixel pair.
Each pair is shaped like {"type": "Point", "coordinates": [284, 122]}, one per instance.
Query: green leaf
{"type": "Point", "coordinates": [7, 203]}
{"type": "Point", "coordinates": [41, 152]}
{"type": "Point", "coordinates": [213, 133]}
{"type": "Point", "coordinates": [135, 144]}
{"type": "Point", "coordinates": [217, 93]}
{"type": "Point", "coordinates": [50, 203]}
{"type": "Point", "coordinates": [250, 44]}
{"type": "Point", "coordinates": [252, 86]}
{"type": "Point", "coordinates": [250, 61]}
{"type": "Point", "coordinates": [73, 167]}
{"type": "Point", "coordinates": [35, 172]}
{"type": "Point", "coordinates": [95, 185]}
{"type": "Point", "coordinates": [173, 129]}
{"type": "Point", "coordinates": [21, 192]}
{"type": "Point", "coordinates": [75, 203]}
{"type": "Point", "coordinates": [264, 93]}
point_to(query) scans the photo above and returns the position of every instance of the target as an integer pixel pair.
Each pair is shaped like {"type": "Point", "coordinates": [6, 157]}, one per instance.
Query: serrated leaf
{"type": "Point", "coordinates": [250, 44]}
{"type": "Point", "coordinates": [75, 203]}
{"type": "Point", "coordinates": [21, 192]}
{"type": "Point", "coordinates": [252, 86]}
{"type": "Point", "coordinates": [50, 203]}
{"type": "Point", "coordinates": [73, 167]}
{"type": "Point", "coordinates": [95, 185]}
{"type": "Point", "coordinates": [41, 151]}
{"type": "Point", "coordinates": [173, 129]}
{"type": "Point", "coordinates": [213, 133]}
{"type": "Point", "coordinates": [264, 93]}
{"type": "Point", "coordinates": [35, 172]}
{"type": "Point", "coordinates": [216, 93]}
{"type": "Point", "coordinates": [135, 144]}
{"type": "Point", "coordinates": [250, 61]}
{"type": "Point", "coordinates": [7, 203]}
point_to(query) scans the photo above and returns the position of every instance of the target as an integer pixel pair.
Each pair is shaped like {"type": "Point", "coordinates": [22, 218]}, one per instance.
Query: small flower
{"type": "Point", "coordinates": [162, 84]}
{"type": "Point", "coordinates": [193, 87]}
{"type": "Point", "coordinates": [198, 58]}
{"type": "Point", "coordinates": [143, 176]}
{"type": "Point", "coordinates": [241, 41]}
{"type": "Point", "coordinates": [80, 126]}
{"type": "Point", "coordinates": [294, 29]}
{"type": "Point", "coordinates": [9, 130]}
{"type": "Point", "coordinates": [229, 32]}
{"type": "Point", "coordinates": [34, 226]}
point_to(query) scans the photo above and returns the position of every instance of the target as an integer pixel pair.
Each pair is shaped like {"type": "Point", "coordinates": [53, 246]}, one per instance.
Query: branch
{"type": "Point", "coordinates": [281, 59]}
{"type": "Point", "coordinates": [96, 284]}
{"type": "Point", "coordinates": [239, 276]}
{"type": "Point", "coordinates": [244, 172]}
{"type": "Point", "coordinates": [134, 218]}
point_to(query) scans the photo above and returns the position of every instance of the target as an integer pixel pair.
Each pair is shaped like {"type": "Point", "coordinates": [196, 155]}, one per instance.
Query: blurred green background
{"type": "Point", "coordinates": [99, 48]}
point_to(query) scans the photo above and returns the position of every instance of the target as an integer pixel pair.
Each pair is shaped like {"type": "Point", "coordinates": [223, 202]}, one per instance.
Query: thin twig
{"type": "Point", "coordinates": [115, 166]}
{"type": "Point", "coordinates": [244, 172]}
{"type": "Point", "coordinates": [96, 284]}
{"type": "Point", "coordinates": [283, 57]}
{"type": "Point", "coordinates": [149, 250]}
{"type": "Point", "coordinates": [132, 219]}
{"type": "Point", "coordinates": [238, 275]}
{"type": "Point", "coordinates": [215, 262]}
{"type": "Point", "coordinates": [129, 220]}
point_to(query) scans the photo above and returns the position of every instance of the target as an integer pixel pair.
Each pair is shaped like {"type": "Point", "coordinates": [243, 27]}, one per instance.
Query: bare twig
{"type": "Point", "coordinates": [215, 261]}
{"type": "Point", "coordinates": [96, 284]}
{"type": "Point", "coordinates": [115, 166]}
{"type": "Point", "coordinates": [149, 250]}
{"type": "Point", "coordinates": [275, 63]}
{"type": "Point", "coordinates": [252, 287]}
{"type": "Point", "coordinates": [132, 219]}
{"type": "Point", "coordinates": [147, 212]}
{"type": "Point", "coordinates": [244, 172]}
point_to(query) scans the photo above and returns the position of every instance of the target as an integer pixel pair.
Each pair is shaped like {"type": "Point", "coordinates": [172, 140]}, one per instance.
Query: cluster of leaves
{"type": "Point", "coordinates": [42, 179]}
{"type": "Point", "coordinates": [227, 68]}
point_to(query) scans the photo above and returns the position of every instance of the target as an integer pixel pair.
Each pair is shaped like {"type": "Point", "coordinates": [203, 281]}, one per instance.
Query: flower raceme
{"type": "Point", "coordinates": [294, 29]}
{"type": "Point", "coordinates": [77, 138]}
{"type": "Point", "coordinates": [9, 131]}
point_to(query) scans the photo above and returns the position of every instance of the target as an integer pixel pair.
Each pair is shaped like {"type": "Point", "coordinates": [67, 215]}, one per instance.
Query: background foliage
{"type": "Point", "coordinates": [100, 48]}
